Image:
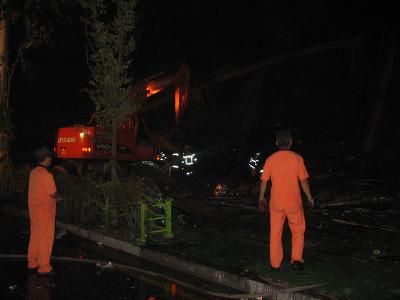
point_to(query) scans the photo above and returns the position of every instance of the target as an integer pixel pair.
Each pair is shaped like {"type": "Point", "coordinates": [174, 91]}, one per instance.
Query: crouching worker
{"type": "Point", "coordinates": [285, 169]}
{"type": "Point", "coordinates": [42, 198]}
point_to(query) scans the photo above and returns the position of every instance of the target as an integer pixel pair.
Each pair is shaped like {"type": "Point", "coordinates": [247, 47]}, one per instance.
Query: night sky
{"type": "Point", "coordinates": [214, 37]}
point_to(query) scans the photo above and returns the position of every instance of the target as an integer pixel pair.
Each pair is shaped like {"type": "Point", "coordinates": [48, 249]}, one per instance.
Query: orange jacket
{"type": "Point", "coordinates": [41, 187]}
{"type": "Point", "coordinates": [285, 168]}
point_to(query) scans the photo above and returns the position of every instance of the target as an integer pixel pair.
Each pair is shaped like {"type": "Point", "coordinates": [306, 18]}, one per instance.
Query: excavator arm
{"type": "Point", "coordinates": [156, 83]}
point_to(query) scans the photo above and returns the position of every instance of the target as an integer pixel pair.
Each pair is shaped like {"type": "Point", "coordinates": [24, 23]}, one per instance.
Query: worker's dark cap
{"type": "Point", "coordinates": [283, 134]}
{"type": "Point", "coordinates": [41, 153]}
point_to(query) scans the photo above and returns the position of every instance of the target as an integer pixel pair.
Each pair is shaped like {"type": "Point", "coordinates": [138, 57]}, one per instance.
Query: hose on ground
{"type": "Point", "coordinates": [166, 277]}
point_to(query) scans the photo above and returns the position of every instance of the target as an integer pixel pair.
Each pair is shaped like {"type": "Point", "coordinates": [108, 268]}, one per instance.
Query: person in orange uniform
{"type": "Point", "coordinates": [42, 198]}
{"type": "Point", "coordinates": [285, 169]}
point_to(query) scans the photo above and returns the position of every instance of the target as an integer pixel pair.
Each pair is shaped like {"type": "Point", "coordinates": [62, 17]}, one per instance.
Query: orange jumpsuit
{"type": "Point", "coordinates": [42, 213]}
{"type": "Point", "coordinates": [285, 168]}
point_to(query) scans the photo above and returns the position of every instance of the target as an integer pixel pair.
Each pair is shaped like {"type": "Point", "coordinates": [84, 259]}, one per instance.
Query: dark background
{"type": "Point", "coordinates": [326, 98]}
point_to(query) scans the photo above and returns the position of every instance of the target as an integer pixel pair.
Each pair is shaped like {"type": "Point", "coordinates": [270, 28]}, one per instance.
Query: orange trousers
{"type": "Point", "coordinates": [297, 226]}
{"type": "Point", "coordinates": [41, 239]}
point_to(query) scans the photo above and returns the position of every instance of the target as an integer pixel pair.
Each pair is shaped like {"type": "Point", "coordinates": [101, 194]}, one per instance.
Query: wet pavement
{"type": "Point", "coordinates": [78, 279]}
{"type": "Point", "coordinates": [74, 281]}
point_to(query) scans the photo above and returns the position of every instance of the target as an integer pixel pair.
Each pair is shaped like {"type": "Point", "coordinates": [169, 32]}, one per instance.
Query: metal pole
{"type": "Point", "coordinates": [168, 218]}
{"type": "Point", "coordinates": [143, 235]}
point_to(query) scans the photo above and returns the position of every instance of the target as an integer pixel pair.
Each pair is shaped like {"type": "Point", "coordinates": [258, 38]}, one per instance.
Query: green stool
{"type": "Point", "coordinates": [150, 221]}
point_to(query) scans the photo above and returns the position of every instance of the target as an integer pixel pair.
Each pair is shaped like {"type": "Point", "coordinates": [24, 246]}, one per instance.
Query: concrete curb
{"type": "Point", "coordinates": [211, 274]}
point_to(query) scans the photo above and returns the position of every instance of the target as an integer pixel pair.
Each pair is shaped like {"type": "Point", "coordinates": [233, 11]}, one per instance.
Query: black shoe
{"type": "Point", "coordinates": [274, 269]}
{"type": "Point", "coordinates": [51, 273]}
{"type": "Point", "coordinates": [32, 270]}
{"type": "Point", "coordinates": [298, 266]}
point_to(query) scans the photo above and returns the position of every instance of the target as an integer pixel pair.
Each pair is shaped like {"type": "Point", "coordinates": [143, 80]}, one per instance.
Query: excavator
{"type": "Point", "coordinates": [89, 143]}
{"type": "Point", "coordinates": [92, 143]}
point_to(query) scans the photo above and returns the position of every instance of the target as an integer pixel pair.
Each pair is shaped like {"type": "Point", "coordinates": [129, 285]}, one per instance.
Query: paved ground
{"type": "Point", "coordinates": [73, 280]}
{"type": "Point", "coordinates": [351, 240]}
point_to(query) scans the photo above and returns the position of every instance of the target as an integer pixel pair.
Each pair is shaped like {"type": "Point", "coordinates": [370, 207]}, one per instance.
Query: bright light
{"type": "Point", "coordinates": [161, 156]}
{"type": "Point", "coordinates": [82, 134]}
{"type": "Point", "coordinates": [189, 159]}
{"type": "Point", "coordinates": [252, 160]}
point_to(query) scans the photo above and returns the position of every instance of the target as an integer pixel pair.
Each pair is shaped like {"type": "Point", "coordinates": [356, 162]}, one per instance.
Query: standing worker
{"type": "Point", "coordinates": [285, 168]}
{"type": "Point", "coordinates": [42, 198]}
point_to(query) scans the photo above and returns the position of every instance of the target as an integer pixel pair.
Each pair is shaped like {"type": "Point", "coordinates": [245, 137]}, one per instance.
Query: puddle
{"type": "Point", "coordinates": [82, 281]}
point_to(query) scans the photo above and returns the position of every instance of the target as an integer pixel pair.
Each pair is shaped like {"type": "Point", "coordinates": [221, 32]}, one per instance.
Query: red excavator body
{"type": "Point", "coordinates": [95, 143]}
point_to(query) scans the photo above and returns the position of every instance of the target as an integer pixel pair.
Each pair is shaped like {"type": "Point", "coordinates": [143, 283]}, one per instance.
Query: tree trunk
{"type": "Point", "coordinates": [373, 126]}
{"type": "Point", "coordinates": [114, 147]}
{"type": "Point", "coordinates": [4, 69]}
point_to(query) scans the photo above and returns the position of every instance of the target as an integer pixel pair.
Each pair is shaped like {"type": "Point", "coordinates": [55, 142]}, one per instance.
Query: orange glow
{"type": "Point", "coordinates": [173, 289]}
{"type": "Point", "coordinates": [151, 90]}
{"type": "Point", "coordinates": [177, 105]}
{"type": "Point", "coordinates": [159, 82]}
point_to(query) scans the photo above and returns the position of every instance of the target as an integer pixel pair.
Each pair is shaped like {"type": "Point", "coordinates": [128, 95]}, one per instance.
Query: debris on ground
{"type": "Point", "coordinates": [351, 231]}
{"type": "Point", "coordinates": [108, 265]}
{"type": "Point", "coordinates": [220, 190]}
{"type": "Point", "coordinates": [60, 234]}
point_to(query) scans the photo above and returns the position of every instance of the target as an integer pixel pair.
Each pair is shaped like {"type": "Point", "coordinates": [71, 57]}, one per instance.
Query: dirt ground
{"type": "Point", "coordinates": [351, 243]}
